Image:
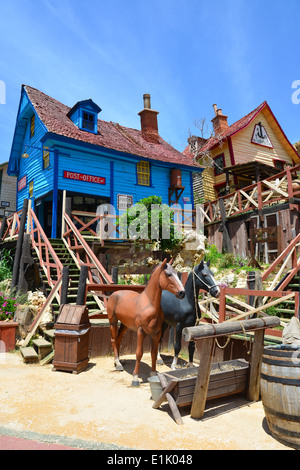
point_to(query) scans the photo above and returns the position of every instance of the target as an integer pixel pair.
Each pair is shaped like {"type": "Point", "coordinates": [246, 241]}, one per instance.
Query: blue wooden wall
{"type": "Point", "coordinates": [118, 169]}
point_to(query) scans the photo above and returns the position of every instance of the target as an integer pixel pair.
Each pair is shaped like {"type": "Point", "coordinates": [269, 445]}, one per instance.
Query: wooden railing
{"type": "Point", "coordinates": [12, 226]}
{"type": "Point", "coordinates": [289, 254]}
{"type": "Point", "coordinates": [230, 307]}
{"type": "Point", "coordinates": [274, 190]}
{"type": "Point", "coordinates": [83, 255]}
{"type": "Point", "coordinates": [48, 259]}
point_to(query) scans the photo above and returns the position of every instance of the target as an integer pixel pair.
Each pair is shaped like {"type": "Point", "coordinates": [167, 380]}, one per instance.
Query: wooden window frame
{"type": "Point", "coordinates": [32, 126]}
{"type": "Point", "coordinates": [30, 188]}
{"type": "Point", "coordinates": [218, 172]}
{"type": "Point", "coordinates": [277, 160]}
{"type": "Point", "coordinates": [46, 158]}
{"type": "Point", "coordinates": [87, 120]}
{"type": "Point", "coordinates": [219, 186]}
{"type": "Point", "coordinates": [143, 173]}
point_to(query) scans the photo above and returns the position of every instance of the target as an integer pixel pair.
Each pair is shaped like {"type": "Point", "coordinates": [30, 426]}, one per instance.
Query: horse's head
{"type": "Point", "coordinates": [169, 280]}
{"type": "Point", "coordinates": [204, 279]}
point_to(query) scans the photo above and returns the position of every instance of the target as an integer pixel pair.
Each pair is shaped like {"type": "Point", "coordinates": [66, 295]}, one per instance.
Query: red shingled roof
{"type": "Point", "coordinates": [110, 135]}
{"type": "Point", "coordinates": [229, 132]}
{"type": "Point", "coordinates": [236, 127]}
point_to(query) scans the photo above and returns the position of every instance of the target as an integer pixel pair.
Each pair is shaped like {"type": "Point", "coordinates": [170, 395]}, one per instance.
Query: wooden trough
{"type": "Point", "coordinates": [196, 385]}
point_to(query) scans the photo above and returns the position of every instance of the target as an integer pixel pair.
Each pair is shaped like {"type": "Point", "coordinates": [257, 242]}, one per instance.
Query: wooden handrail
{"type": "Point", "coordinates": [46, 264]}
{"type": "Point", "coordinates": [287, 194]}
{"type": "Point", "coordinates": [87, 249]}
{"type": "Point", "coordinates": [281, 297]}
{"type": "Point", "coordinates": [13, 224]}
{"type": "Point", "coordinates": [281, 257]}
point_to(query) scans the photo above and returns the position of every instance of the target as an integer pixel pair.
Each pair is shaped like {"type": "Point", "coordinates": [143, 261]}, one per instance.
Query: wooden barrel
{"type": "Point", "coordinates": [280, 392]}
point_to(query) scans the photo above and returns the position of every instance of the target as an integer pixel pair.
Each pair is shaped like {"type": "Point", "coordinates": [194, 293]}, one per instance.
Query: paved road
{"type": "Point", "coordinates": [17, 443]}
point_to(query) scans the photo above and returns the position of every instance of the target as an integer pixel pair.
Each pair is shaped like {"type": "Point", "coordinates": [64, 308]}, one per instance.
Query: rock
{"type": "Point", "coordinates": [291, 332]}
{"type": "Point", "coordinates": [191, 251]}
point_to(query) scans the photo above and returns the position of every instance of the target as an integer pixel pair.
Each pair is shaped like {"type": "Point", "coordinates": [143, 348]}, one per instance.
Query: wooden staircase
{"type": "Point", "coordinates": [286, 309]}
{"type": "Point", "coordinates": [74, 274]}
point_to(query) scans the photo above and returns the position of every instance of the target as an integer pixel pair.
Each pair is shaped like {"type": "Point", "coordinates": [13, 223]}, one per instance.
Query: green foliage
{"type": "Point", "coordinates": [6, 264]}
{"type": "Point", "coordinates": [223, 261]}
{"type": "Point", "coordinates": [8, 306]}
{"type": "Point", "coordinates": [149, 219]}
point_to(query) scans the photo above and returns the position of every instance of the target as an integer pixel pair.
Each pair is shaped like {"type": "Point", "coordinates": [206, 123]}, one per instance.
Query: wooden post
{"type": "Point", "coordinates": [114, 274]}
{"type": "Point", "coordinates": [81, 294]}
{"type": "Point", "coordinates": [254, 283]}
{"type": "Point", "coordinates": [171, 400]}
{"type": "Point", "coordinates": [16, 267]}
{"type": "Point", "coordinates": [64, 286]}
{"type": "Point", "coordinates": [68, 206]}
{"type": "Point", "coordinates": [25, 261]}
{"type": "Point", "coordinates": [201, 387]}
{"type": "Point", "coordinates": [227, 245]}
{"type": "Point", "coordinates": [63, 210]}
{"type": "Point", "coordinates": [297, 303]}
{"type": "Point", "coordinates": [255, 366]}
{"type": "Point", "coordinates": [2, 229]}
{"type": "Point", "coordinates": [222, 306]}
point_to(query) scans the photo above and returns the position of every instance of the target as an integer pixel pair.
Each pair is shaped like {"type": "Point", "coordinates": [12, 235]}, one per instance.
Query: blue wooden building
{"type": "Point", "coordinates": [57, 148]}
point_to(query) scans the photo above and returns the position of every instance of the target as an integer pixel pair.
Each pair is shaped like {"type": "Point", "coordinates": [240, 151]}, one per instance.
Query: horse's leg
{"type": "Point", "coordinates": [154, 350]}
{"type": "Point", "coordinates": [177, 345]}
{"type": "Point", "coordinates": [191, 353]}
{"type": "Point", "coordinates": [121, 332]}
{"type": "Point", "coordinates": [159, 359]}
{"type": "Point", "coordinates": [114, 343]}
{"type": "Point", "coordinates": [139, 354]}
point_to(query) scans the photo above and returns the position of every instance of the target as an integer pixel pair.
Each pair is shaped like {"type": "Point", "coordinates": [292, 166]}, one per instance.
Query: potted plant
{"type": "Point", "coordinates": [8, 306]}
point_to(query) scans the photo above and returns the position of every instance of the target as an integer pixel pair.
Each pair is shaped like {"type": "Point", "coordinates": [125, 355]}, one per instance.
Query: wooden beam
{"type": "Point", "coordinates": [255, 366]}
{"type": "Point", "coordinates": [202, 382]}
{"type": "Point", "coordinates": [193, 333]}
{"type": "Point", "coordinates": [38, 318]}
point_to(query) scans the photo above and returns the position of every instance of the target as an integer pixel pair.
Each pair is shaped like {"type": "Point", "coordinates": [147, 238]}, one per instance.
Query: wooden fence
{"type": "Point", "coordinates": [274, 190]}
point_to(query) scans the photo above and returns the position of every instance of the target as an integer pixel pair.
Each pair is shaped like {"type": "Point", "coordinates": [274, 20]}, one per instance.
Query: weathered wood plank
{"type": "Point", "coordinates": [226, 328]}
{"type": "Point", "coordinates": [255, 366]}
{"type": "Point", "coordinates": [202, 382]}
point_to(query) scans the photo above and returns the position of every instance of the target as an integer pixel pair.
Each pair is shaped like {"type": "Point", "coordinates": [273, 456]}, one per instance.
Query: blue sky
{"type": "Point", "coordinates": [187, 54]}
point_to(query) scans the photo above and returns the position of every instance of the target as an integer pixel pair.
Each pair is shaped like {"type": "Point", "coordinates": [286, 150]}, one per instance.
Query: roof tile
{"type": "Point", "coordinates": [110, 135]}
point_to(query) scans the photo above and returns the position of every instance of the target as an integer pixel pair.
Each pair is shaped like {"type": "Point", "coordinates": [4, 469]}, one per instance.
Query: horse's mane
{"type": "Point", "coordinates": [153, 270]}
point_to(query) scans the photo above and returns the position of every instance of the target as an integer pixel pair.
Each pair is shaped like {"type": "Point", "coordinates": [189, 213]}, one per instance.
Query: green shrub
{"type": "Point", "coordinates": [155, 210]}
{"type": "Point", "coordinates": [6, 264]}
{"type": "Point", "coordinates": [8, 306]}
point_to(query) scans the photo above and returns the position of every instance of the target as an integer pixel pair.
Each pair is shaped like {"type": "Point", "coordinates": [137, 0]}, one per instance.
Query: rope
{"type": "Point", "coordinates": [229, 338]}
{"type": "Point", "coordinates": [223, 347]}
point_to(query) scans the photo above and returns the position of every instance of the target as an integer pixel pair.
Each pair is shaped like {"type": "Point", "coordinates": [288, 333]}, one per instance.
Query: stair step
{"type": "Point", "coordinates": [284, 310]}
{"type": "Point", "coordinates": [29, 354]}
{"type": "Point", "coordinates": [41, 343]}
{"type": "Point", "coordinates": [47, 359]}
{"type": "Point", "coordinates": [43, 347]}
{"type": "Point", "coordinates": [50, 334]}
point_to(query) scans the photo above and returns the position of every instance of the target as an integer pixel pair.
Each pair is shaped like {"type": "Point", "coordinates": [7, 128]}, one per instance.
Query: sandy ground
{"type": "Point", "coordinates": [100, 408]}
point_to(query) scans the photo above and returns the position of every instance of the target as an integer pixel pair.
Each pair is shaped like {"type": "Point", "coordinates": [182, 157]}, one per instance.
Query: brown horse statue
{"type": "Point", "coordinates": [141, 312]}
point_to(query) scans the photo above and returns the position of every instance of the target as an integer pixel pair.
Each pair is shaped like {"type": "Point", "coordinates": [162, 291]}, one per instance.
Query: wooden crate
{"type": "Point", "coordinates": [226, 378]}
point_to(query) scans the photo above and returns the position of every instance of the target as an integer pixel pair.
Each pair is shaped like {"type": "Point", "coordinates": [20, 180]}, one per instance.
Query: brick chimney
{"type": "Point", "coordinates": [220, 123]}
{"type": "Point", "coordinates": [149, 125]}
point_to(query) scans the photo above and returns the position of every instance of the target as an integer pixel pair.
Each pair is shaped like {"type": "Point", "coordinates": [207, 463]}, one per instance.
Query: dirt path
{"type": "Point", "coordinates": [100, 406]}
